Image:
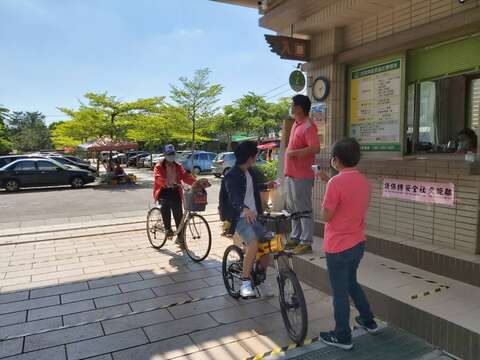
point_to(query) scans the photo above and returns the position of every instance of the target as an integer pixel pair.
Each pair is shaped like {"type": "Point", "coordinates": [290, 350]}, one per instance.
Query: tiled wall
{"type": "Point", "coordinates": [403, 17]}
{"type": "Point", "coordinates": [452, 227]}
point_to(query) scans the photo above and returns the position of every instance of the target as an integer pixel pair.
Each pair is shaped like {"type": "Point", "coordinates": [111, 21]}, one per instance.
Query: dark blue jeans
{"type": "Point", "coordinates": [342, 270]}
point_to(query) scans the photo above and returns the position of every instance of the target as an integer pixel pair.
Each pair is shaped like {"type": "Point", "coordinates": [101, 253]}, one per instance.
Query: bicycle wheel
{"type": "Point", "coordinates": [155, 228]}
{"type": "Point", "coordinates": [197, 237]}
{"type": "Point", "coordinates": [232, 270]}
{"type": "Point", "coordinates": [293, 306]}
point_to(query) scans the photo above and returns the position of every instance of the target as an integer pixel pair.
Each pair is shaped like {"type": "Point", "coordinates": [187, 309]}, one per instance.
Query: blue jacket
{"type": "Point", "coordinates": [232, 194]}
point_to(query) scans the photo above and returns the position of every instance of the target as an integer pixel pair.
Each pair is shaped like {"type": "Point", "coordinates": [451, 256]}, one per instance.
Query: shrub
{"type": "Point", "coordinates": [267, 172]}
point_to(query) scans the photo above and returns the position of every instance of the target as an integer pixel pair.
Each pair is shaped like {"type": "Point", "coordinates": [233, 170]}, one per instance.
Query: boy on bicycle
{"type": "Point", "coordinates": [169, 175]}
{"type": "Point", "coordinates": [344, 209]}
{"type": "Point", "coordinates": [245, 205]}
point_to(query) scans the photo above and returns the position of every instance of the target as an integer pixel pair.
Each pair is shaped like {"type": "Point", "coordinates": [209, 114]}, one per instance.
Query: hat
{"type": "Point", "coordinates": [169, 149]}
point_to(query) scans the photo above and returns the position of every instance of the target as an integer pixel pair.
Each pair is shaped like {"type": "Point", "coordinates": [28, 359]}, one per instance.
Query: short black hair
{"type": "Point", "coordinates": [244, 151]}
{"type": "Point", "coordinates": [304, 102]}
{"type": "Point", "coordinates": [347, 151]}
{"type": "Point", "coordinates": [470, 134]}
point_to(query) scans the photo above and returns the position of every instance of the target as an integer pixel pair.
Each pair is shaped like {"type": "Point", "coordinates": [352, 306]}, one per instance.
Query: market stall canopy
{"type": "Point", "coordinates": [239, 138]}
{"type": "Point", "coordinates": [107, 144]}
{"type": "Point", "coordinates": [269, 145]}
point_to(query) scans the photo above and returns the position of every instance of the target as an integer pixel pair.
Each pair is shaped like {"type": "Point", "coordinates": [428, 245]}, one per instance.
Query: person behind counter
{"type": "Point", "coordinates": [467, 141]}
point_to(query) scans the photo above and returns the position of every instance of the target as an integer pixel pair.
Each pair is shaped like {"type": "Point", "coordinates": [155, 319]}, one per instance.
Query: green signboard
{"type": "Point", "coordinates": [297, 81]}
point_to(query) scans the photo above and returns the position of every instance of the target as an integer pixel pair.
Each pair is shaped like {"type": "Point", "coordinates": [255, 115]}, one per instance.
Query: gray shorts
{"type": "Point", "coordinates": [250, 232]}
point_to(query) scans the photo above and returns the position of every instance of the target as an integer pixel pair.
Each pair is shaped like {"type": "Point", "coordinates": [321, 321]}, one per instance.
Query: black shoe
{"type": "Point", "coordinates": [330, 338]}
{"type": "Point", "coordinates": [370, 326]}
{"type": "Point", "coordinates": [170, 234]}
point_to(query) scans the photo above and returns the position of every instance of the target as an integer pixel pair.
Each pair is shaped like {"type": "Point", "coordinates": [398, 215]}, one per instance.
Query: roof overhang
{"type": "Point", "coordinates": [247, 3]}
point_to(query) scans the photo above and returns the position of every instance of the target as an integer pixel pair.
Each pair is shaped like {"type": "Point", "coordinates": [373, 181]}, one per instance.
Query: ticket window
{"type": "Point", "coordinates": [437, 112]}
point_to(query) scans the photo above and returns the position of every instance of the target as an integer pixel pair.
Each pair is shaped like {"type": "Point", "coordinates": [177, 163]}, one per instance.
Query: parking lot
{"type": "Point", "coordinates": [34, 207]}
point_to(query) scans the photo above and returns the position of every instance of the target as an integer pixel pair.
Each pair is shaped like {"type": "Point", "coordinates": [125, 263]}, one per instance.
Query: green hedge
{"type": "Point", "coordinates": [267, 172]}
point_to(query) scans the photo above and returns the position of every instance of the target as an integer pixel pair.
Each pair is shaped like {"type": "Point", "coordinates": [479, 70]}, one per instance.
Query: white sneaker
{"type": "Point", "coordinates": [246, 290]}
{"type": "Point", "coordinates": [266, 290]}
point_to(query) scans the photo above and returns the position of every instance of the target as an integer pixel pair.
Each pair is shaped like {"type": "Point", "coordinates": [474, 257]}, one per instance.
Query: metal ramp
{"type": "Point", "coordinates": [389, 344]}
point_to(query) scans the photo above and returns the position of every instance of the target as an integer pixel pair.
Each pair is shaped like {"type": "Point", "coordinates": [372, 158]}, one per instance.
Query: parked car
{"type": "Point", "coordinates": [4, 160]}
{"type": "Point", "coordinates": [150, 161]}
{"type": "Point", "coordinates": [37, 172]}
{"type": "Point", "coordinates": [67, 162]}
{"type": "Point", "coordinates": [141, 161]}
{"type": "Point", "coordinates": [76, 159]}
{"type": "Point", "coordinates": [133, 160]}
{"type": "Point", "coordinates": [202, 162]}
{"type": "Point", "coordinates": [225, 161]}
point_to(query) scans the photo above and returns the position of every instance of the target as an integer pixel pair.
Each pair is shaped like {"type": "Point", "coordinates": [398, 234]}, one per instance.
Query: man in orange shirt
{"type": "Point", "coordinates": [299, 176]}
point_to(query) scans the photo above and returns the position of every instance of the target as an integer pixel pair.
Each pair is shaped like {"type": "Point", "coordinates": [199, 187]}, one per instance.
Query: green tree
{"type": "Point", "coordinates": [197, 98]}
{"type": "Point", "coordinates": [228, 124]}
{"type": "Point", "coordinates": [258, 114]}
{"type": "Point", "coordinates": [5, 143]}
{"type": "Point", "coordinates": [170, 125]}
{"type": "Point", "coordinates": [28, 131]}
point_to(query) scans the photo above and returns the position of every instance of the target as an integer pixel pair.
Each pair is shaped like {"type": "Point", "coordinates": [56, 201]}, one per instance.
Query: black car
{"type": "Point", "coordinates": [133, 160]}
{"type": "Point", "coordinates": [76, 159]}
{"type": "Point", "coordinates": [36, 172]}
{"type": "Point", "coordinates": [66, 161]}
{"type": "Point", "coordinates": [4, 160]}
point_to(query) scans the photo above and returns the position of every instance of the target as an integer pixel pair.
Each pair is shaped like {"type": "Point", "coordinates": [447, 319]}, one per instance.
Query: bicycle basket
{"type": "Point", "coordinates": [277, 224]}
{"type": "Point", "coordinates": [195, 200]}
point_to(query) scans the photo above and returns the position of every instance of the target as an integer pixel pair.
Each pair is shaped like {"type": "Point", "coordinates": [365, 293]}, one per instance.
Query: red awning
{"type": "Point", "coordinates": [107, 144]}
{"type": "Point", "coordinates": [269, 145]}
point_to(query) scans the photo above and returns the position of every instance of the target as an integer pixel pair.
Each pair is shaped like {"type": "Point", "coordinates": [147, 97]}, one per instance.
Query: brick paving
{"type": "Point", "coordinates": [78, 292]}
{"type": "Point", "coordinates": [99, 291]}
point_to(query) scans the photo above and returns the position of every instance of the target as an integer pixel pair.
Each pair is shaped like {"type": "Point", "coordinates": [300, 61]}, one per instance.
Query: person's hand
{"type": "Point", "coordinates": [291, 153]}
{"type": "Point", "coordinates": [322, 175]}
{"type": "Point", "coordinates": [249, 215]}
{"type": "Point", "coordinates": [271, 185]}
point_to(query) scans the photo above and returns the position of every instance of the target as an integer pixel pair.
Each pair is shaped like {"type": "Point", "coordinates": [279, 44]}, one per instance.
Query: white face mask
{"type": "Point", "coordinates": [170, 158]}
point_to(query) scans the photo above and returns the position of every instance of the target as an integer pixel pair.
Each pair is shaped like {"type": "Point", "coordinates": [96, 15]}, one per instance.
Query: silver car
{"type": "Point", "coordinates": [225, 161]}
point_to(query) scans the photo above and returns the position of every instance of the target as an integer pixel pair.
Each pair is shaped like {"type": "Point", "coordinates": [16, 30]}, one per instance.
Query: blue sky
{"type": "Point", "coordinates": [54, 51]}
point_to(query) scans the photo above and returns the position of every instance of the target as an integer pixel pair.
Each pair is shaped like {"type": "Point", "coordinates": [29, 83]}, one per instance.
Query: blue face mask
{"type": "Point", "coordinates": [170, 158]}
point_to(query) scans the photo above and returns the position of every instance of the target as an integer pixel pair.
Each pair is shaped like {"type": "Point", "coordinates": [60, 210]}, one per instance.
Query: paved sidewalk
{"type": "Point", "coordinates": [55, 293]}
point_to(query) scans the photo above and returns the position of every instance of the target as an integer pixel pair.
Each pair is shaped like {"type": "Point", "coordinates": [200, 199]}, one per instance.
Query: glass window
{"type": "Point", "coordinates": [203, 157]}
{"type": "Point", "coordinates": [409, 131]}
{"type": "Point", "coordinates": [26, 165]}
{"type": "Point", "coordinates": [427, 131]}
{"type": "Point", "coordinates": [46, 166]}
{"type": "Point", "coordinates": [474, 108]}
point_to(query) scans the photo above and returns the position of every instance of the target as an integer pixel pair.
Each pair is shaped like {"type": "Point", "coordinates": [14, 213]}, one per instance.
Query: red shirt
{"type": "Point", "coordinates": [348, 196]}
{"type": "Point", "coordinates": [304, 134]}
{"type": "Point", "coordinates": [161, 181]}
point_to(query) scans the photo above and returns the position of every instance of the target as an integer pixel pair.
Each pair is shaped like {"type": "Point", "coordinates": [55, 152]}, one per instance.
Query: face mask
{"type": "Point", "coordinates": [170, 158]}
{"type": "Point", "coordinates": [332, 164]}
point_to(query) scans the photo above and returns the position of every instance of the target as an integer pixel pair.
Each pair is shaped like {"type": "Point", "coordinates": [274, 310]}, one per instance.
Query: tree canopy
{"type": "Point", "coordinates": [28, 131]}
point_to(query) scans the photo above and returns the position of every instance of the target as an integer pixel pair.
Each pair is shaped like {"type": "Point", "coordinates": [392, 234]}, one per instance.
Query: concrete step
{"type": "Point", "coordinates": [442, 311]}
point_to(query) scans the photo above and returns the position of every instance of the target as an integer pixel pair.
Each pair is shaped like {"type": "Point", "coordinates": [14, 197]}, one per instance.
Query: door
{"type": "Point", "coordinates": [50, 174]}
{"type": "Point", "coordinates": [25, 172]}
{"type": "Point", "coordinates": [203, 161]}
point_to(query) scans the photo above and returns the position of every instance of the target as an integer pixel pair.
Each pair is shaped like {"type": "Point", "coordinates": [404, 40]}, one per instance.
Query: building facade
{"type": "Point", "coordinates": [404, 80]}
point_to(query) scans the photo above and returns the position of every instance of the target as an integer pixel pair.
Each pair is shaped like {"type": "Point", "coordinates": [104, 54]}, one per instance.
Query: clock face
{"type": "Point", "coordinates": [320, 89]}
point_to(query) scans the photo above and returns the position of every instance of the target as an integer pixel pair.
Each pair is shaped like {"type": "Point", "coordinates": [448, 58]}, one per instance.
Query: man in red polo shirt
{"type": "Point", "coordinates": [299, 176]}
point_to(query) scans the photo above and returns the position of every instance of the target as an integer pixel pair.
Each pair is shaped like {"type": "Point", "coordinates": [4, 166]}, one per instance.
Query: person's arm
{"type": "Point", "coordinates": [330, 202]}
{"type": "Point", "coordinates": [159, 180]}
{"type": "Point", "coordinates": [186, 177]}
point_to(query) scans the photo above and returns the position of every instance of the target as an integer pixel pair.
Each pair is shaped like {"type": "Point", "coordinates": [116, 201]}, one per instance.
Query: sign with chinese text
{"type": "Point", "coordinates": [419, 191]}
{"type": "Point", "coordinates": [297, 81]}
{"type": "Point", "coordinates": [289, 48]}
{"type": "Point", "coordinates": [318, 113]}
{"type": "Point", "coordinates": [376, 106]}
